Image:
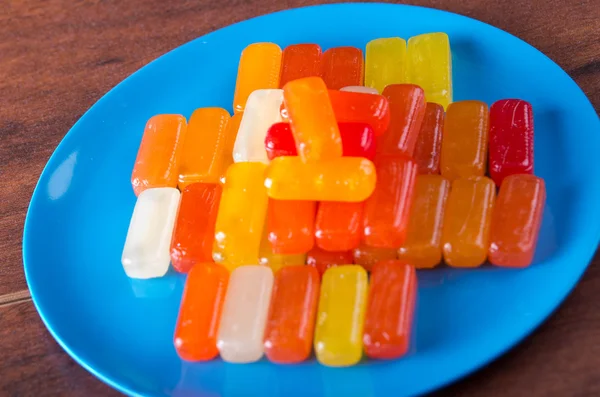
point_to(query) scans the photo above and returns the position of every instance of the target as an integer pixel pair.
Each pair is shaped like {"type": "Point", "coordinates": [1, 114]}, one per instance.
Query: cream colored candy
{"type": "Point", "coordinates": [146, 251]}
{"type": "Point", "coordinates": [244, 315]}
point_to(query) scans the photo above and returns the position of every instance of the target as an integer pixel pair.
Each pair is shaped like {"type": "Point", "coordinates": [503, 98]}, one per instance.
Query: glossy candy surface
{"type": "Point", "coordinates": [267, 257]}
{"type": "Point", "coordinates": [323, 260]}
{"type": "Point", "coordinates": [338, 226]}
{"type": "Point", "coordinates": [290, 226]}
{"type": "Point", "coordinates": [259, 69]}
{"type": "Point", "coordinates": [342, 67]}
{"type": "Point", "coordinates": [341, 315]}
{"type": "Point", "coordinates": [465, 142]}
{"type": "Point", "coordinates": [291, 320]}
{"type": "Point", "coordinates": [312, 120]}
{"type": "Point", "coordinates": [194, 231]}
{"type": "Point", "coordinates": [423, 245]}
{"type": "Point", "coordinates": [360, 89]}
{"type": "Point", "coordinates": [146, 250]}
{"type": "Point", "coordinates": [390, 310]}
{"type": "Point", "coordinates": [343, 179]}
{"type": "Point", "coordinates": [466, 230]}
{"type": "Point", "coordinates": [197, 325]}
{"type": "Point", "coordinates": [407, 108]}
{"type": "Point", "coordinates": [429, 142]}
{"type": "Point", "coordinates": [356, 107]}
{"type": "Point", "coordinates": [430, 66]}
{"type": "Point", "coordinates": [262, 111]}
{"type": "Point", "coordinates": [358, 140]}
{"type": "Point", "coordinates": [385, 62]}
{"type": "Point", "coordinates": [387, 210]}
{"type": "Point", "coordinates": [516, 220]}
{"type": "Point", "coordinates": [244, 314]}
{"type": "Point", "coordinates": [159, 154]}
{"type": "Point", "coordinates": [299, 61]}
{"type": "Point", "coordinates": [241, 216]}
{"type": "Point", "coordinates": [204, 156]}
{"type": "Point", "coordinates": [511, 139]}
{"type": "Point", "coordinates": [367, 257]}
{"type": "Point", "coordinates": [233, 127]}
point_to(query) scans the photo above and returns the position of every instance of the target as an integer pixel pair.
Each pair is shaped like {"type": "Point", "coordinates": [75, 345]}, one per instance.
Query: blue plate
{"type": "Point", "coordinates": [121, 330]}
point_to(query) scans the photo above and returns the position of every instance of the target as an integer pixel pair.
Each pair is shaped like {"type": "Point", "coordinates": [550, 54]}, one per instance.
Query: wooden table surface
{"type": "Point", "coordinates": [58, 57]}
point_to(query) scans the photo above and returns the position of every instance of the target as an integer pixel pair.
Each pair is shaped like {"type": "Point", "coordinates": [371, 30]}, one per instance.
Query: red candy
{"type": "Point", "coordinates": [338, 225]}
{"type": "Point", "coordinates": [323, 260]}
{"type": "Point", "coordinates": [511, 139]}
{"type": "Point", "coordinates": [358, 140]}
{"type": "Point", "coordinates": [390, 310]}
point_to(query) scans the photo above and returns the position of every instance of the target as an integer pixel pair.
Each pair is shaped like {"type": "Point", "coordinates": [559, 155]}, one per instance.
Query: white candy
{"type": "Point", "coordinates": [360, 89]}
{"type": "Point", "coordinates": [244, 315]}
{"type": "Point", "coordinates": [263, 109]}
{"type": "Point", "coordinates": [146, 251]}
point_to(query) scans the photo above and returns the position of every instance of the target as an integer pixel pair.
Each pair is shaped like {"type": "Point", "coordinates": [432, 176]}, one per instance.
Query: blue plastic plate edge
{"type": "Point", "coordinates": [434, 386]}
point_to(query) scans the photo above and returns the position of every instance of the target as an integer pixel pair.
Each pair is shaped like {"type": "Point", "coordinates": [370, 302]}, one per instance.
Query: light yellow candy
{"type": "Point", "coordinates": [430, 66]}
{"type": "Point", "coordinates": [385, 63]}
{"type": "Point", "coordinates": [341, 315]}
{"type": "Point", "coordinates": [241, 216]}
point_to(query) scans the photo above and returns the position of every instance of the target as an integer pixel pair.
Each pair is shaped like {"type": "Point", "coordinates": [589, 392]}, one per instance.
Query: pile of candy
{"type": "Point", "coordinates": [287, 205]}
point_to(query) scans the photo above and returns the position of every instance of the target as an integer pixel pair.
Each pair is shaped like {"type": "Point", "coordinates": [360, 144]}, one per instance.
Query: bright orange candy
{"type": "Point", "coordinates": [407, 108]}
{"type": "Point", "coordinates": [312, 120]}
{"type": "Point", "coordinates": [516, 220]}
{"type": "Point", "coordinates": [339, 225]}
{"type": "Point", "coordinates": [464, 147]}
{"type": "Point", "coordinates": [299, 61]}
{"type": "Point", "coordinates": [204, 151]}
{"type": "Point", "coordinates": [423, 245]}
{"type": "Point", "coordinates": [200, 311]}
{"type": "Point", "coordinates": [259, 68]}
{"type": "Point", "coordinates": [367, 256]}
{"type": "Point", "coordinates": [233, 127]}
{"type": "Point", "coordinates": [344, 179]}
{"type": "Point", "coordinates": [343, 67]}
{"type": "Point", "coordinates": [194, 231]}
{"type": "Point", "coordinates": [390, 310]}
{"type": "Point", "coordinates": [159, 155]}
{"type": "Point", "coordinates": [466, 230]}
{"type": "Point", "coordinates": [291, 225]}
{"type": "Point", "coordinates": [291, 320]}
{"type": "Point", "coordinates": [387, 211]}
{"type": "Point", "coordinates": [429, 143]}
{"type": "Point", "coordinates": [323, 260]}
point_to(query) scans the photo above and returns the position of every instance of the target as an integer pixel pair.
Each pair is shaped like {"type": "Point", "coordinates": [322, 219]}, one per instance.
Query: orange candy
{"type": "Point", "coordinates": [299, 61]}
{"type": "Point", "coordinates": [194, 232]}
{"type": "Point", "coordinates": [159, 155]}
{"type": "Point", "coordinates": [343, 67]}
{"type": "Point", "coordinates": [290, 226]}
{"type": "Point", "coordinates": [429, 143]}
{"type": "Point", "coordinates": [390, 310]}
{"type": "Point", "coordinates": [323, 260]}
{"type": "Point", "coordinates": [291, 320]}
{"type": "Point", "coordinates": [367, 256]}
{"type": "Point", "coordinates": [387, 210]}
{"type": "Point", "coordinates": [200, 311]}
{"type": "Point", "coordinates": [204, 151]}
{"type": "Point", "coordinates": [407, 108]}
{"type": "Point", "coordinates": [313, 122]}
{"type": "Point", "coordinates": [233, 127]}
{"type": "Point", "coordinates": [466, 230]}
{"type": "Point", "coordinates": [338, 226]}
{"type": "Point", "coordinates": [465, 143]}
{"type": "Point", "coordinates": [423, 245]}
{"type": "Point", "coordinates": [516, 220]}
{"type": "Point", "coordinates": [259, 68]}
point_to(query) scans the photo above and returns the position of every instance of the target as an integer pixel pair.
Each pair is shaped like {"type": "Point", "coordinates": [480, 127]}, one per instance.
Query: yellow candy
{"type": "Point", "coordinates": [385, 63]}
{"type": "Point", "coordinates": [241, 216]}
{"type": "Point", "coordinates": [341, 315]}
{"type": "Point", "coordinates": [430, 66]}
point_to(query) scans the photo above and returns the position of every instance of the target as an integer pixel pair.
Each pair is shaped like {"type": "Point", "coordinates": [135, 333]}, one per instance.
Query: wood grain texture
{"type": "Point", "coordinates": [58, 57]}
